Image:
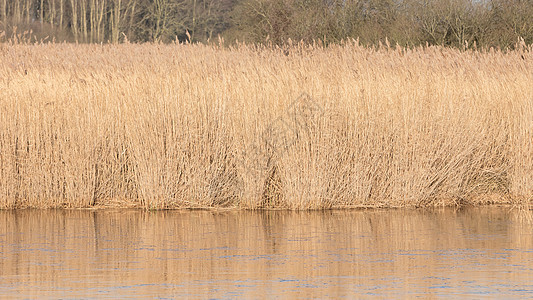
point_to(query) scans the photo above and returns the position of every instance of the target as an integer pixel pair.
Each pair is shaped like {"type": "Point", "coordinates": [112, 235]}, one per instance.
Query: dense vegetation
{"type": "Point", "coordinates": [192, 125]}
{"type": "Point", "coordinates": [458, 23]}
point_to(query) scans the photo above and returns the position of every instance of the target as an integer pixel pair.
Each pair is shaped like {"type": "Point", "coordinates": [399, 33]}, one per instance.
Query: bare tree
{"type": "Point", "coordinates": [3, 12]}
{"type": "Point", "coordinates": [74, 19]}
{"type": "Point", "coordinates": [41, 12]}
{"type": "Point", "coordinates": [159, 18]}
{"type": "Point", "coordinates": [100, 35]}
{"type": "Point", "coordinates": [26, 7]}
{"type": "Point", "coordinates": [61, 13]}
{"type": "Point", "coordinates": [131, 8]}
{"type": "Point", "coordinates": [51, 12]}
{"type": "Point", "coordinates": [115, 20]}
{"type": "Point", "coordinates": [16, 13]}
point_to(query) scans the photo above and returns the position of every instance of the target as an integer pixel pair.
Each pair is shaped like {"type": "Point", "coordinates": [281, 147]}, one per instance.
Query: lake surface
{"type": "Point", "coordinates": [475, 252]}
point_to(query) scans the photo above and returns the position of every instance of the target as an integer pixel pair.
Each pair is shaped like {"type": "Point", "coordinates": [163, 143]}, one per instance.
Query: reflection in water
{"type": "Point", "coordinates": [257, 254]}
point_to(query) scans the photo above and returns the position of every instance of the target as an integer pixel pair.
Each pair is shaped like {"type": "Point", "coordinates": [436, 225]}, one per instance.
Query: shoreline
{"type": "Point", "coordinates": [132, 206]}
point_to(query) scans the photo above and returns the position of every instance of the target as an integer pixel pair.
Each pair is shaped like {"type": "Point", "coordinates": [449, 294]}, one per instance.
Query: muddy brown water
{"type": "Point", "coordinates": [469, 253]}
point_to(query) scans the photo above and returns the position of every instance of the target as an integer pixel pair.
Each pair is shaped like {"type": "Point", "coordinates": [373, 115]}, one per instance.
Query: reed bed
{"type": "Point", "coordinates": [301, 127]}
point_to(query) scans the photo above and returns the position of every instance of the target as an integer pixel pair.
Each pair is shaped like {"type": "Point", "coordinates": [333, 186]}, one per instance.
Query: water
{"type": "Point", "coordinates": [470, 253]}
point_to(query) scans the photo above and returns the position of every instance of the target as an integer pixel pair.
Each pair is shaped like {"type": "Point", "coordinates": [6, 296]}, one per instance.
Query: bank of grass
{"type": "Point", "coordinates": [165, 126]}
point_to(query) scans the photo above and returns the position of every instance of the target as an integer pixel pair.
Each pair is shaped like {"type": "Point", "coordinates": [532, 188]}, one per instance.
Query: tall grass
{"type": "Point", "coordinates": [161, 126]}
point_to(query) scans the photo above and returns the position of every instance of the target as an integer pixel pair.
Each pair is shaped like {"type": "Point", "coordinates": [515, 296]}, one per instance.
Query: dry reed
{"type": "Point", "coordinates": [163, 126]}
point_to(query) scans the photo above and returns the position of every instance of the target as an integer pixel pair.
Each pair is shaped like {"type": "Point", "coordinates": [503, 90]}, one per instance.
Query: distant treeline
{"type": "Point", "coordinates": [457, 23]}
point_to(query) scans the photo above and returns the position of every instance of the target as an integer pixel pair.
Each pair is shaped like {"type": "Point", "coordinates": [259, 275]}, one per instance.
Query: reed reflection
{"type": "Point", "coordinates": [265, 253]}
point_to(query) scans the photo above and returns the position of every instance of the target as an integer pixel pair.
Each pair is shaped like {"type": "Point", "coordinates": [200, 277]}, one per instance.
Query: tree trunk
{"type": "Point", "coordinates": [51, 11]}
{"type": "Point", "coordinates": [16, 13]}
{"type": "Point", "coordinates": [193, 20]}
{"type": "Point", "coordinates": [41, 12]}
{"type": "Point", "coordinates": [84, 19]}
{"type": "Point", "coordinates": [115, 21]}
{"type": "Point", "coordinates": [92, 18]}
{"type": "Point", "coordinates": [132, 16]}
{"type": "Point", "coordinates": [74, 18]}
{"type": "Point", "coordinates": [27, 8]}
{"type": "Point", "coordinates": [4, 14]}
{"type": "Point", "coordinates": [92, 21]}
{"type": "Point", "coordinates": [100, 18]}
{"type": "Point", "coordinates": [61, 13]}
